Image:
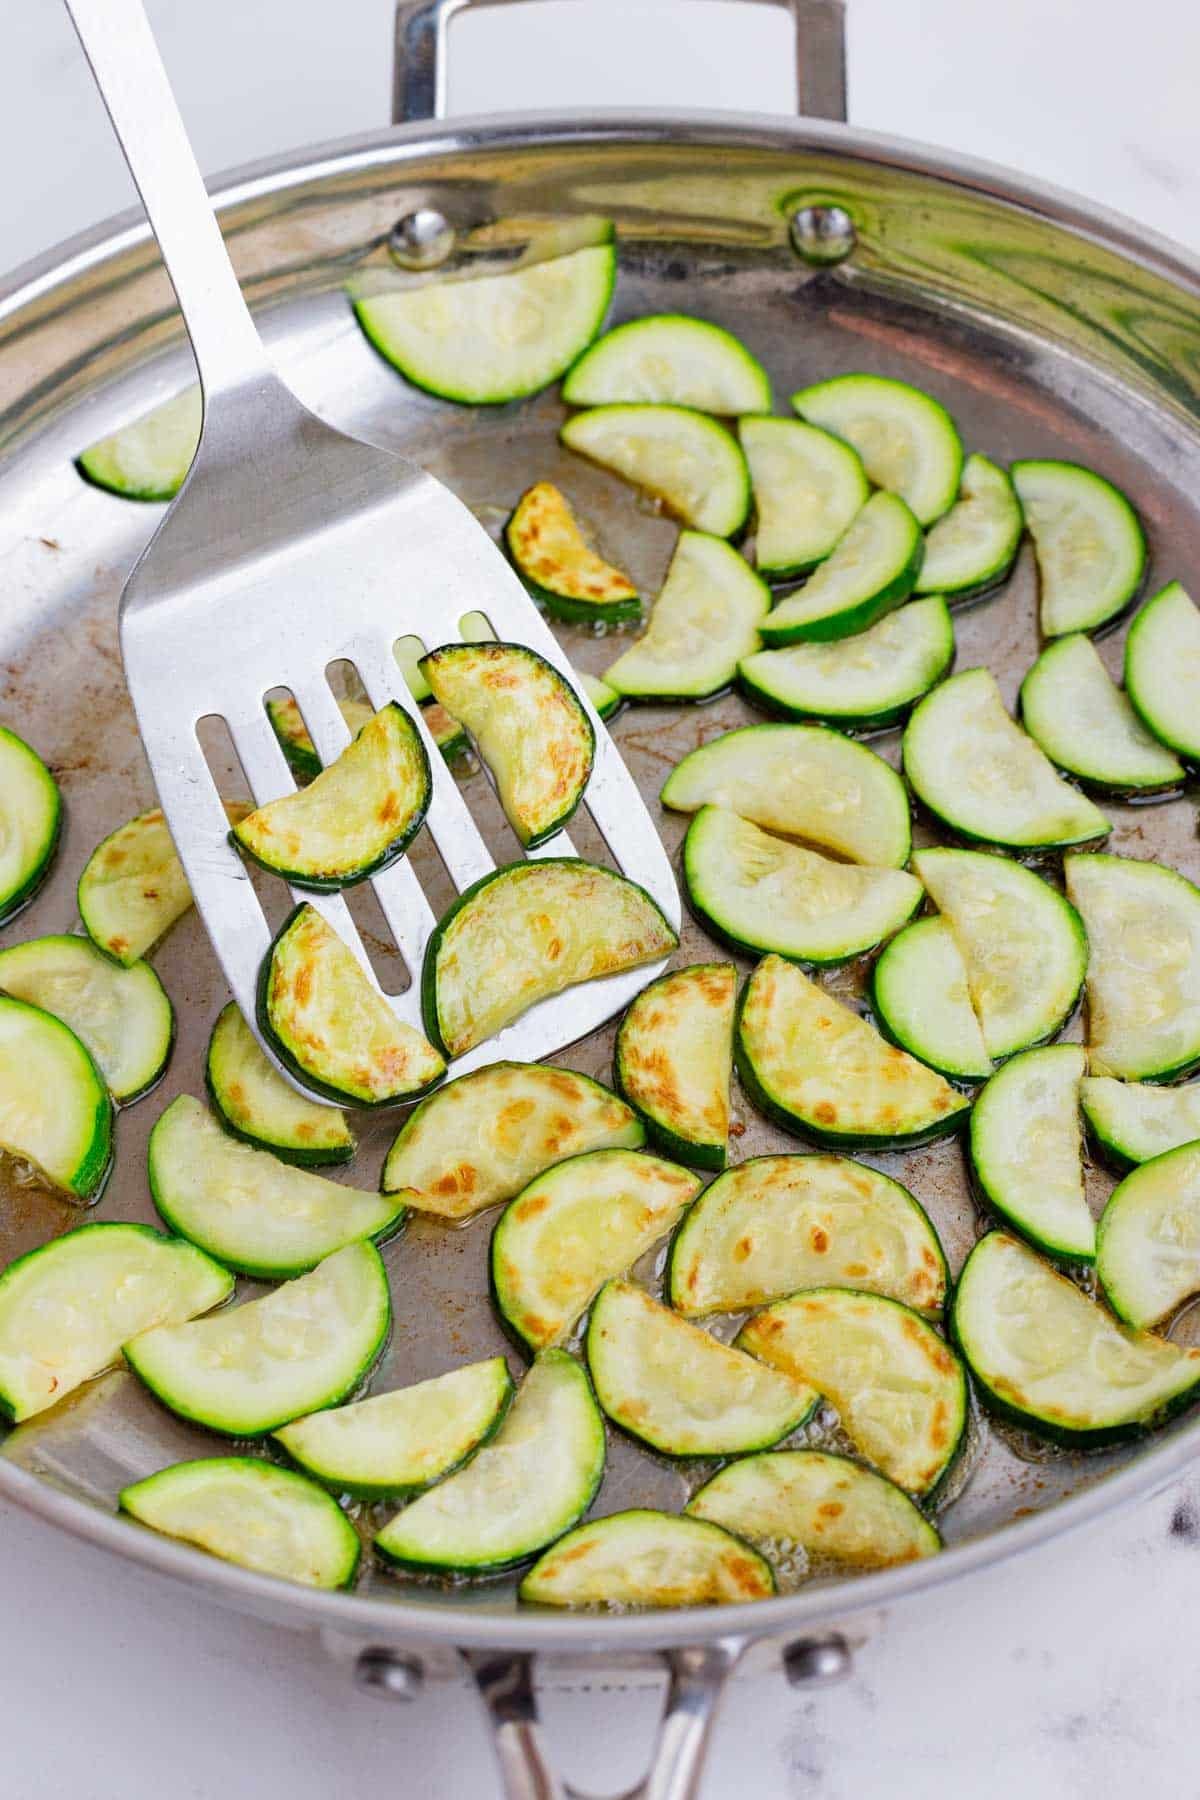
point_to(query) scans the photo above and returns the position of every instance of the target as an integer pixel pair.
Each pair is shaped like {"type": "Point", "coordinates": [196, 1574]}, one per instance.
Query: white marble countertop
{"type": "Point", "coordinates": [1069, 1672]}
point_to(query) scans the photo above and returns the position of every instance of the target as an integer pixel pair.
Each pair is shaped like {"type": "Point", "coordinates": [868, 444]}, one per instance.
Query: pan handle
{"type": "Point", "coordinates": [421, 64]}
{"type": "Point", "coordinates": [697, 1674]}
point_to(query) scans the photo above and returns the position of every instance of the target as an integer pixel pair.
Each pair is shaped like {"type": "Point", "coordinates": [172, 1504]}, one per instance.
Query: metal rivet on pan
{"type": "Point", "coordinates": [421, 239]}
{"type": "Point", "coordinates": [822, 234]}
{"type": "Point", "coordinates": [382, 1671]}
{"type": "Point", "coordinates": [816, 1662]}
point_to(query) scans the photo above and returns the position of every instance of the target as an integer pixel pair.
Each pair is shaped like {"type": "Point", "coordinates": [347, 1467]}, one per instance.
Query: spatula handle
{"type": "Point", "coordinates": [120, 47]}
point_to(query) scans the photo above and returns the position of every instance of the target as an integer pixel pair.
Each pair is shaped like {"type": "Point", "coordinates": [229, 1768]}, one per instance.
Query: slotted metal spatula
{"type": "Point", "coordinates": [292, 546]}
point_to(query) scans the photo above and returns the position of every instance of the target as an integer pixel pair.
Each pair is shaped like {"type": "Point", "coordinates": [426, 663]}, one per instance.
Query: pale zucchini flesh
{"type": "Point", "coordinates": [1143, 978]}
{"type": "Point", "coordinates": [1148, 1244]}
{"type": "Point", "coordinates": [251, 1368]}
{"type": "Point", "coordinates": [355, 818]}
{"type": "Point", "coordinates": [808, 486]}
{"type": "Point", "coordinates": [683, 1393]}
{"type": "Point", "coordinates": [971, 549]}
{"type": "Point", "coordinates": [257, 1215]}
{"type": "Point", "coordinates": [1026, 1151]}
{"type": "Point", "coordinates": [332, 1027]}
{"type": "Point", "coordinates": [920, 995]}
{"type": "Point", "coordinates": [832, 1509]}
{"type": "Point", "coordinates": [528, 931]}
{"type": "Point", "coordinates": [528, 727]}
{"type": "Point", "coordinates": [575, 1227]}
{"type": "Point", "coordinates": [149, 458]}
{"type": "Point", "coordinates": [133, 888]}
{"type": "Point", "coordinates": [685, 459]}
{"type": "Point", "coordinates": [643, 1558]}
{"type": "Point", "coordinates": [30, 822]}
{"type": "Point", "coordinates": [494, 338]}
{"type": "Point", "coordinates": [871, 570]}
{"type": "Point", "coordinates": [802, 781]}
{"type": "Point", "coordinates": [704, 622]}
{"type": "Point", "coordinates": [899, 1389]}
{"type": "Point", "coordinates": [246, 1511]}
{"type": "Point", "coordinates": [529, 1485]}
{"type": "Point", "coordinates": [758, 893]}
{"type": "Point", "coordinates": [817, 1068]}
{"type": "Point", "coordinates": [67, 1308]}
{"type": "Point", "coordinates": [397, 1443]}
{"type": "Point", "coordinates": [479, 1140]}
{"type": "Point", "coordinates": [1023, 945]}
{"type": "Point", "coordinates": [981, 775]}
{"type": "Point", "coordinates": [776, 1224]}
{"type": "Point", "coordinates": [1071, 706]}
{"type": "Point", "coordinates": [122, 1016]}
{"type": "Point", "coordinates": [670, 359]}
{"type": "Point", "coordinates": [1045, 1355]}
{"type": "Point", "coordinates": [1133, 1123]}
{"type": "Point", "coordinates": [1162, 669]}
{"type": "Point", "coordinates": [255, 1103]}
{"type": "Point", "coordinates": [860, 683]}
{"type": "Point", "coordinates": [558, 565]}
{"type": "Point", "coordinates": [1091, 549]}
{"type": "Point", "coordinates": [908, 442]}
{"type": "Point", "coordinates": [55, 1110]}
{"type": "Point", "coordinates": [673, 1059]}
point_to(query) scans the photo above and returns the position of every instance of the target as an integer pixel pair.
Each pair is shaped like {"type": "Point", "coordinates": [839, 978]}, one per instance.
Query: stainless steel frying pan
{"type": "Point", "coordinates": [1047, 326]}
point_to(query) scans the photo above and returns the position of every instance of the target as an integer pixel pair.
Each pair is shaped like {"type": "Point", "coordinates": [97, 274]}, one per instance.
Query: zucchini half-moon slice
{"type": "Point", "coordinates": [287, 722]}
{"type": "Point", "coordinates": [1162, 653]}
{"type": "Point", "coordinates": [818, 1069]}
{"type": "Point", "coordinates": [682, 1392]}
{"type": "Point", "coordinates": [525, 932]}
{"type": "Point", "coordinates": [537, 1476]}
{"type": "Point", "coordinates": [122, 1016]}
{"type": "Point", "coordinates": [801, 781]}
{"type": "Point", "coordinates": [1046, 1356]}
{"type": "Point", "coordinates": [1091, 549]}
{"type": "Point", "coordinates": [133, 888]}
{"type": "Point", "coordinates": [704, 622]}
{"type": "Point", "coordinates": [669, 359]}
{"type": "Point", "coordinates": [899, 1389]}
{"type": "Point", "coordinates": [397, 1443]}
{"type": "Point", "coordinates": [1072, 707]}
{"type": "Point", "coordinates": [305, 1345]}
{"type": "Point", "coordinates": [673, 1058]}
{"type": "Point", "coordinates": [355, 818]}
{"type": "Point", "coordinates": [908, 442]}
{"type": "Point", "coordinates": [1026, 1150]}
{"type": "Point", "coordinates": [757, 893]}
{"type": "Point", "coordinates": [256, 1214]}
{"type": "Point", "coordinates": [870, 572]}
{"type": "Point", "coordinates": [978, 772]}
{"type": "Point", "coordinates": [67, 1308]}
{"type": "Point", "coordinates": [831, 1508]}
{"type": "Point", "coordinates": [494, 338]}
{"type": "Point", "coordinates": [481, 1139]}
{"type": "Point", "coordinates": [255, 1103]}
{"type": "Point", "coordinates": [1023, 945]}
{"type": "Point", "coordinates": [808, 486]}
{"type": "Point", "coordinates": [55, 1110]}
{"type": "Point", "coordinates": [1143, 977]}
{"type": "Point", "coordinates": [575, 1227]}
{"type": "Point", "coordinates": [528, 727]}
{"type": "Point", "coordinates": [971, 549]}
{"type": "Point", "coordinates": [333, 1028]}
{"type": "Point", "coordinates": [645, 1558]}
{"type": "Point", "coordinates": [148, 458]}
{"type": "Point", "coordinates": [860, 683]}
{"type": "Point", "coordinates": [30, 822]}
{"type": "Point", "coordinates": [920, 996]}
{"type": "Point", "coordinates": [779, 1223]}
{"type": "Point", "coordinates": [1148, 1245]}
{"type": "Point", "coordinates": [689, 462]}
{"type": "Point", "coordinates": [1132, 1123]}
{"type": "Point", "coordinates": [559, 566]}
{"type": "Point", "coordinates": [247, 1511]}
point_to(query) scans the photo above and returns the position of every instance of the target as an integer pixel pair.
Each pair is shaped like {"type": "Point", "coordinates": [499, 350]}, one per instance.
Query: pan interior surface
{"type": "Point", "coordinates": [1041, 340]}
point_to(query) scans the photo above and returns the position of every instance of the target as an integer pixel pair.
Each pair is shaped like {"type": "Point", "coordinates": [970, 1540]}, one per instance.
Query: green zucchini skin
{"type": "Point", "coordinates": [1027, 475]}
{"type": "Point", "coordinates": [87, 1180]}
{"type": "Point", "coordinates": [988, 577]}
{"type": "Point", "coordinates": [1167, 625]}
{"type": "Point", "coordinates": [336, 1151]}
{"type": "Point", "coordinates": [16, 754]}
{"type": "Point", "coordinates": [849, 620]}
{"type": "Point", "coordinates": [754, 678]}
